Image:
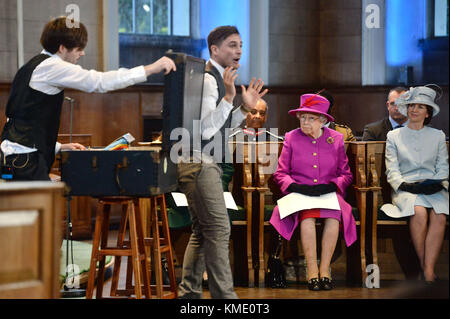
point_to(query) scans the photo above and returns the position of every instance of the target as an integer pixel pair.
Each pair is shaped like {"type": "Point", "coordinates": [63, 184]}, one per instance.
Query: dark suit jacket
{"type": "Point", "coordinates": [377, 131]}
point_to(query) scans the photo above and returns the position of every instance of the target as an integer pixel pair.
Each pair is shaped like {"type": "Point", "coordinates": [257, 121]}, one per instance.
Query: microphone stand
{"type": "Point", "coordinates": [71, 116]}
{"type": "Point", "coordinates": [70, 292]}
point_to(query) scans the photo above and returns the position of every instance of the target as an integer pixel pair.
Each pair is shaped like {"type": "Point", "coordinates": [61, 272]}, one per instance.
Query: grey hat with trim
{"type": "Point", "coordinates": [417, 95]}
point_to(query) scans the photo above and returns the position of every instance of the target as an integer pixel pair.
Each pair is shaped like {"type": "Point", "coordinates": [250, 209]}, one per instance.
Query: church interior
{"type": "Point", "coordinates": [357, 50]}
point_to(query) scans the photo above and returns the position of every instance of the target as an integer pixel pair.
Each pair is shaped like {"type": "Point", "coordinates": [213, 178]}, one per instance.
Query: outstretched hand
{"type": "Point", "coordinates": [163, 64]}
{"type": "Point", "coordinates": [252, 94]}
{"type": "Point", "coordinates": [72, 146]}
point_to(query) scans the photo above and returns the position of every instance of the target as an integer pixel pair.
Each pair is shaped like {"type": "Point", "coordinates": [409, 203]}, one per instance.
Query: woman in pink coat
{"type": "Point", "coordinates": [313, 162]}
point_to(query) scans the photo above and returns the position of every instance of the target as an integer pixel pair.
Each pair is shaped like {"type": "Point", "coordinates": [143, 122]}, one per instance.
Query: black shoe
{"type": "Point", "coordinates": [326, 283]}
{"type": "Point", "coordinates": [314, 284]}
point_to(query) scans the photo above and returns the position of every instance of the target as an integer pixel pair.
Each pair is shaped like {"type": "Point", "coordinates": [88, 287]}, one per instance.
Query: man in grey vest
{"type": "Point", "coordinates": [200, 179]}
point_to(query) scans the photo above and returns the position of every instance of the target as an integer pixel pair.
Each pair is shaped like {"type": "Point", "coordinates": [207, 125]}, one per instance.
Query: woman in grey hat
{"type": "Point", "coordinates": [417, 170]}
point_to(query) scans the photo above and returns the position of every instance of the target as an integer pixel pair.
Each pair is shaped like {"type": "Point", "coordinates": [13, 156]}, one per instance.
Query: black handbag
{"type": "Point", "coordinates": [276, 277]}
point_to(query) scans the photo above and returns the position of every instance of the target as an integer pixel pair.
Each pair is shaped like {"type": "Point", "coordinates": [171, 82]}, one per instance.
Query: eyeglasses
{"type": "Point", "coordinates": [310, 119]}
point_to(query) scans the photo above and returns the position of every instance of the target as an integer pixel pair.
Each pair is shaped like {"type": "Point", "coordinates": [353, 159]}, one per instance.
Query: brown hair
{"type": "Point", "coordinates": [430, 115]}
{"type": "Point", "coordinates": [56, 33]}
{"type": "Point", "coordinates": [219, 34]}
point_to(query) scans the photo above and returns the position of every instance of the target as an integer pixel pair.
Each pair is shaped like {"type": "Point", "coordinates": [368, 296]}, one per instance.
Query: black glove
{"type": "Point", "coordinates": [417, 188]}
{"type": "Point", "coordinates": [409, 187]}
{"type": "Point", "coordinates": [430, 188]}
{"type": "Point", "coordinates": [302, 189]}
{"type": "Point", "coordinates": [325, 188]}
{"type": "Point", "coordinates": [312, 190]}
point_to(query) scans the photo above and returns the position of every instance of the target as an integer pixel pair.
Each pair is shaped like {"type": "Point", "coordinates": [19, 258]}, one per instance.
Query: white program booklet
{"type": "Point", "coordinates": [295, 202]}
{"type": "Point", "coordinates": [229, 201]}
{"type": "Point", "coordinates": [181, 200]}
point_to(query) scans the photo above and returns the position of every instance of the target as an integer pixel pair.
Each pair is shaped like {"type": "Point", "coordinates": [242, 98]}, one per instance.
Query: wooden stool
{"type": "Point", "coordinates": [155, 246]}
{"type": "Point", "coordinates": [134, 248]}
{"type": "Point", "coordinates": [157, 225]}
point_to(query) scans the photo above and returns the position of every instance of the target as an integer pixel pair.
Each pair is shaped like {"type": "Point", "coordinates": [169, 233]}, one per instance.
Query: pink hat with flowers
{"type": "Point", "coordinates": [313, 103]}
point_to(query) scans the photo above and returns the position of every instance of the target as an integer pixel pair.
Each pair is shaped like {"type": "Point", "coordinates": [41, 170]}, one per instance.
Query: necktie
{"type": "Point", "coordinates": [398, 126]}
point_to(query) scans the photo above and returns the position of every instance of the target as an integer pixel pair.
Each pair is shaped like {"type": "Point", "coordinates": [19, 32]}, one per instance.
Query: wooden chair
{"type": "Point", "coordinates": [267, 154]}
{"type": "Point", "coordinates": [357, 198]}
{"type": "Point", "coordinates": [243, 180]}
{"type": "Point", "coordinates": [134, 248]}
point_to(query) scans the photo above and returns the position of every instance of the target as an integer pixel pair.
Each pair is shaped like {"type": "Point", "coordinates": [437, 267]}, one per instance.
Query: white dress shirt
{"type": "Point", "coordinates": [214, 115]}
{"type": "Point", "coordinates": [54, 74]}
{"type": "Point", "coordinates": [395, 124]}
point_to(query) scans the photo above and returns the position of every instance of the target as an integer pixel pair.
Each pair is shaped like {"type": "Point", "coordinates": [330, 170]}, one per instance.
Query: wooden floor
{"type": "Point", "coordinates": [388, 289]}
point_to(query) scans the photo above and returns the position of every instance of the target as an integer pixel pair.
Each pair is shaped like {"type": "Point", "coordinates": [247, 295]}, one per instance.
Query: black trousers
{"type": "Point", "coordinates": [28, 167]}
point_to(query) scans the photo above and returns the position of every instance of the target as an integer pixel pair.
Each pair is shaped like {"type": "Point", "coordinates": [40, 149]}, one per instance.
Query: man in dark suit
{"type": "Point", "coordinates": [377, 131]}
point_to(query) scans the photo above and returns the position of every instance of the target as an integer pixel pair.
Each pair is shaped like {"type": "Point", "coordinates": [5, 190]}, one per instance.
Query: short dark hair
{"type": "Point", "coordinates": [430, 115]}
{"type": "Point", "coordinates": [398, 89]}
{"type": "Point", "coordinates": [219, 34]}
{"type": "Point", "coordinates": [56, 32]}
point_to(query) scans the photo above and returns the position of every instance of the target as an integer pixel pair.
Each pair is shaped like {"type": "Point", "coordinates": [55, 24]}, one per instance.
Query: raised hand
{"type": "Point", "coordinates": [252, 94]}
{"type": "Point", "coordinates": [229, 76]}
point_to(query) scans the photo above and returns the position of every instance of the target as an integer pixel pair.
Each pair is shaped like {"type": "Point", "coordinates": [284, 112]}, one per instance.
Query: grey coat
{"type": "Point", "coordinates": [414, 156]}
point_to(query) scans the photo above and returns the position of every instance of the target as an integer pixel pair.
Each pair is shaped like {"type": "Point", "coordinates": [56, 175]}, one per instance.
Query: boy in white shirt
{"type": "Point", "coordinates": [37, 94]}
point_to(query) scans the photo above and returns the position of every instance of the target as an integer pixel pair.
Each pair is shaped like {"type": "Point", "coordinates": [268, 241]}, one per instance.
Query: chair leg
{"type": "Point", "coordinates": [144, 263]}
{"type": "Point", "coordinates": [94, 254]}
{"type": "Point", "coordinates": [135, 251]}
{"type": "Point", "coordinates": [103, 244]}
{"type": "Point", "coordinates": [129, 276]}
{"type": "Point", "coordinates": [375, 194]}
{"type": "Point", "coordinates": [165, 223]}
{"type": "Point", "coordinates": [261, 264]}
{"type": "Point", "coordinates": [249, 212]}
{"type": "Point", "coordinates": [362, 200]}
{"type": "Point", "coordinates": [120, 240]}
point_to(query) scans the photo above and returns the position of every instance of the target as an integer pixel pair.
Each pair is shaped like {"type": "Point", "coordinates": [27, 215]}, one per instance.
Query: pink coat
{"type": "Point", "coordinates": [304, 160]}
